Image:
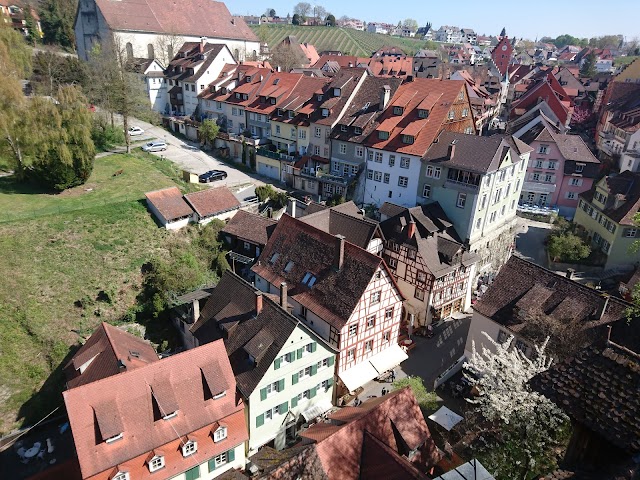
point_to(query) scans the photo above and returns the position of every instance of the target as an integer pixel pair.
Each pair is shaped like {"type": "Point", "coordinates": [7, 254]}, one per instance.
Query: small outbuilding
{"type": "Point", "coordinates": [169, 207]}
{"type": "Point", "coordinates": [212, 203]}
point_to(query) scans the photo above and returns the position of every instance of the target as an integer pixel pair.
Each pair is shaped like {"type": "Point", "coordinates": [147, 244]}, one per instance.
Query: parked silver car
{"type": "Point", "coordinates": [155, 146]}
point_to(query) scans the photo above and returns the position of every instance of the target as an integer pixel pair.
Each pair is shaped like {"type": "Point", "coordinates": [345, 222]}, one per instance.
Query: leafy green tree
{"type": "Point", "coordinates": [64, 157]}
{"type": "Point", "coordinates": [428, 401]}
{"type": "Point", "coordinates": [57, 19]}
{"type": "Point", "coordinates": [51, 70]}
{"type": "Point", "coordinates": [33, 35]}
{"type": "Point", "coordinates": [209, 130]}
{"type": "Point", "coordinates": [410, 23]}
{"type": "Point", "coordinates": [16, 54]}
{"type": "Point", "coordinates": [588, 69]}
{"type": "Point", "coordinates": [568, 247]}
{"type": "Point", "coordinates": [331, 20]}
{"type": "Point", "coordinates": [297, 19]}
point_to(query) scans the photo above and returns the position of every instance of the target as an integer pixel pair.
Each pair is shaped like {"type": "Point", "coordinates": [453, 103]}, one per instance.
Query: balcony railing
{"type": "Point", "coordinates": [537, 187]}
{"type": "Point", "coordinates": [275, 155]}
{"type": "Point", "coordinates": [465, 186]}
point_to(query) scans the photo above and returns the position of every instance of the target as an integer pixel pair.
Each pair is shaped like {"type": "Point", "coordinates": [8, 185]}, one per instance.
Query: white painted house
{"type": "Point", "coordinates": [153, 28]}
{"type": "Point", "coordinates": [344, 293]}
{"type": "Point", "coordinates": [284, 370]}
{"type": "Point", "coordinates": [151, 73]}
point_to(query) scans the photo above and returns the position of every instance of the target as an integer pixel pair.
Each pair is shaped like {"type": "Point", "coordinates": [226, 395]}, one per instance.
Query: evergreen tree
{"type": "Point", "coordinates": [33, 35]}
{"type": "Point", "coordinates": [57, 18]}
{"type": "Point", "coordinates": [588, 69]}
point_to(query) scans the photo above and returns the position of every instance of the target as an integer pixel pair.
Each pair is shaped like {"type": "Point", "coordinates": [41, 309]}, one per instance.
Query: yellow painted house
{"type": "Point", "coordinates": [630, 73]}
{"type": "Point", "coordinates": [607, 212]}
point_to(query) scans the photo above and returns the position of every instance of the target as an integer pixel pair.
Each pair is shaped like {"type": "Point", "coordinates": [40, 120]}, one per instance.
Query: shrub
{"type": "Point", "coordinates": [568, 247]}
{"type": "Point", "coordinates": [105, 136]}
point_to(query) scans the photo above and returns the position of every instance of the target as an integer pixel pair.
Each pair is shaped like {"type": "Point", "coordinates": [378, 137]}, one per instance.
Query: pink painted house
{"type": "Point", "coordinates": [561, 167]}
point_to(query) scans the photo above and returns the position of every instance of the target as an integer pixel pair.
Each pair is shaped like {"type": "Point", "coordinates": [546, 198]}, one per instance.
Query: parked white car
{"type": "Point", "coordinates": [155, 146]}
{"type": "Point", "coordinates": [135, 131]}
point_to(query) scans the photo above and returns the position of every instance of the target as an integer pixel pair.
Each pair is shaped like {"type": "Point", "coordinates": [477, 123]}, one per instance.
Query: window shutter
{"type": "Point", "coordinates": [314, 369]}
{"type": "Point", "coordinates": [314, 345]}
{"type": "Point", "coordinates": [294, 402]}
{"type": "Point", "coordinates": [330, 382]}
{"type": "Point", "coordinates": [300, 350]}
{"type": "Point", "coordinates": [284, 408]}
{"type": "Point", "coordinates": [294, 378]}
{"type": "Point", "coordinates": [312, 392]}
{"type": "Point", "coordinates": [260, 420]}
{"type": "Point", "coordinates": [231, 455]}
{"type": "Point", "coordinates": [276, 364]}
{"type": "Point", "coordinates": [281, 385]}
{"type": "Point", "coordinates": [212, 465]}
{"type": "Point", "coordinates": [331, 361]}
{"type": "Point", "coordinates": [263, 393]}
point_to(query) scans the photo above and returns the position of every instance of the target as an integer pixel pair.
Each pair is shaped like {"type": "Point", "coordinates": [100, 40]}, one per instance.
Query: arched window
{"type": "Point", "coordinates": [255, 55]}
{"type": "Point", "coordinates": [129, 50]}
{"type": "Point", "coordinates": [236, 54]}
{"type": "Point", "coordinates": [150, 53]}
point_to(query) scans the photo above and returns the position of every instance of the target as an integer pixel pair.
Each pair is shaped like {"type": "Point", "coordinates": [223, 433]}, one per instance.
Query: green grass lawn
{"type": "Point", "coordinates": [53, 265]}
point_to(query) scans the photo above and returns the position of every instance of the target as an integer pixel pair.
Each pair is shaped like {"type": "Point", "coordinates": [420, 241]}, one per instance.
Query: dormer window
{"type": "Point", "coordinates": [325, 112]}
{"type": "Point", "coordinates": [220, 434]}
{"type": "Point", "coordinates": [220, 395]}
{"type": "Point", "coordinates": [319, 98]}
{"type": "Point", "coordinates": [579, 168]}
{"type": "Point", "coordinates": [114, 438]}
{"type": "Point", "coordinates": [423, 113]}
{"type": "Point", "coordinates": [156, 463]}
{"type": "Point", "coordinates": [169, 416]}
{"type": "Point", "coordinates": [245, 96]}
{"type": "Point", "coordinates": [280, 112]}
{"type": "Point", "coordinates": [343, 128]}
{"type": "Point", "coordinates": [382, 135]}
{"type": "Point", "coordinates": [398, 110]}
{"type": "Point", "coordinates": [292, 114]}
{"type": "Point", "coordinates": [121, 476]}
{"type": "Point", "coordinates": [237, 95]}
{"type": "Point", "coordinates": [336, 92]}
{"type": "Point", "coordinates": [272, 101]}
{"type": "Point", "coordinates": [189, 448]}
{"type": "Point", "coordinates": [408, 139]}
{"type": "Point", "coordinates": [248, 78]}
{"type": "Point", "coordinates": [358, 130]}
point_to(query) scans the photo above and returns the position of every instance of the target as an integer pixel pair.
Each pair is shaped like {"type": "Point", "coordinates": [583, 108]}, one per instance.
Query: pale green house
{"type": "Point", "coordinates": [606, 213]}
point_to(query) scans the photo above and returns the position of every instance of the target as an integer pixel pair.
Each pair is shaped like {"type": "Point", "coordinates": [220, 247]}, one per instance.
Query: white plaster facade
{"type": "Point", "coordinates": [208, 470]}
{"type": "Point", "coordinates": [391, 177]}
{"type": "Point", "coordinates": [299, 379]}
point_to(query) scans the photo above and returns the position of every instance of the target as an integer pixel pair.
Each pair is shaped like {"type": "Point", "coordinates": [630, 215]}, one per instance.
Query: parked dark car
{"type": "Point", "coordinates": [212, 176]}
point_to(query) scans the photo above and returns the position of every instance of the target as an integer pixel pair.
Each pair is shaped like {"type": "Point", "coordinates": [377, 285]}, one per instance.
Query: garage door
{"type": "Point", "coordinates": [268, 171]}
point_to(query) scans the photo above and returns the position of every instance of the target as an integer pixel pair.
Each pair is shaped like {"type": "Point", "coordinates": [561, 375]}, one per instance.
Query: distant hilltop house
{"type": "Point", "coordinates": [145, 27]}
{"type": "Point", "coordinates": [13, 12]}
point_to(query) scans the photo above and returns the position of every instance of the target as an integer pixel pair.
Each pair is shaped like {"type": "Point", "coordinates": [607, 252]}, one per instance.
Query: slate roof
{"type": "Point", "coordinates": [212, 201]}
{"type": "Point", "coordinates": [435, 239]}
{"type": "Point", "coordinates": [624, 187]}
{"type": "Point", "coordinates": [132, 404]}
{"type": "Point", "coordinates": [374, 442]}
{"type": "Point", "coordinates": [170, 203]}
{"type": "Point", "coordinates": [335, 293]}
{"type": "Point", "coordinates": [599, 388]}
{"type": "Point", "coordinates": [345, 219]}
{"type": "Point", "coordinates": [522, 288]}
{"type": "Point", "coordinates": [188, 17]}
{"type": "Point", "coordinates": [356, 115]}
{"type": "Point", "coordinates": [250, 227]}
{"type": "Point", "coordinates": [231, 308]}
{"type": "Point", "coordinates": [410, 95]}
{"type": "Point", "coordinates": [474, 153]}
{"type": "Point", "coordinates": [113, 351]}
{"type": "Point", "coordinates": [346, 80]}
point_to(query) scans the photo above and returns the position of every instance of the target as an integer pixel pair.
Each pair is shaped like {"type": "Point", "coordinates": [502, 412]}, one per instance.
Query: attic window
{"type": "Point", "coordinates": [292, 114]}
{"type": "Point", "coordinates": [237, 95]}
{"type": "Point", "coordinates": [358, 130]}
{"type": "Point", "coordinates": [398, 110]}
{"type": "Point", "coordinates": [272, 101]}
{"type": "Point", "coordinates": [245, 96]}
{"type": "Point", "coordinates": [156, 463]}
{"type": "Point", "coordinates": [280, 112]}
{"type": "Point", "coordinates": [189, 448]}
{"type": "Point", "coordinates": [423, 113]}
{"type": "Point", "coordinates": [121, 476]}
{"type": "Point", "coordinates": [382, 135]}
{"type": "Point", "coordinates": [366, 105]}
{"type": "Point", "coordinates": [220, 434]}
{"type": "Point", "coordinates": [343, 128]}
{"type": "Point", "coordinates": [288, 266]}
{"type": "Point", "coordinates": [408, 139]}
{"type": "Point", "coordinates": [276, 81]}
{"type": "Point", "coordinates": [325, 112]}
{"type": "Point", "coordinates": [274, 258]}
{"type": "Point", "coordinates": [319, 97]}
{"type": "Point", "coordinates": [114, 438]}
{"type": "Point", "coordinates": [336, 92]}
{"type": "Point", "coordinates": [248, 77]}
{"type": "Point", "coordinates": [309, 279]}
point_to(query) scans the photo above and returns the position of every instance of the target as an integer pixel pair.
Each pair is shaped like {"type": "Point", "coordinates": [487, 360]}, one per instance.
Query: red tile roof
{"type": "Point", "coordinates": [187, 17]}
{"type": "Point", "coordinates": [543, 91]}
{"type": "Point", "coordinates": [409, 96]}
{"type": "Point", "coordinates": [170, 203]}
{"type": "Point", "coordinates": [212, 201]}
{"type": "Point", "coordinates": [125, 402]}
{"type": "Point", "coordinates": [336, 292]}
{"type": "Point", "coordinates": [109, 351]}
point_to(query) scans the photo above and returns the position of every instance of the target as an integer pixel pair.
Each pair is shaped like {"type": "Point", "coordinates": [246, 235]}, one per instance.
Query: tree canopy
{"type": "Point", "coordinates": [588, 69]}
{"type": "Point", "coordinates": [410, 23]}
{"type": "Point", "coordinates": [302, 9]}
{"type": "Point", "coordinates": [57, 18]}
{"type": "Point", "coordinates": [331, 20]}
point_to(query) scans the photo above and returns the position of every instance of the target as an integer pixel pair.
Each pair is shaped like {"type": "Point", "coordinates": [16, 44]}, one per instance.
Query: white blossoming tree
{"type": "Point", "coordinates": [521, 429]}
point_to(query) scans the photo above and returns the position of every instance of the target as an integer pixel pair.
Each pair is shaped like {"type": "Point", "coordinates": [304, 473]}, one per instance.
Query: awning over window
{"type": "Point", "coordinates": [359, 375]}
{"type": "Point", "coordinates": [317, 409]}
{"type": "Point", "coordinates": [388, 358]}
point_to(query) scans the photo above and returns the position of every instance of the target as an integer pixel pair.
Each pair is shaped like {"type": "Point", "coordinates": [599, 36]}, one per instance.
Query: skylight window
{"type": "Point", "coordinates": [309, 279]}
{"type": "Point", "coordinates": [288, 266]}
{"type": "Point", "coordinates": [274, 258]}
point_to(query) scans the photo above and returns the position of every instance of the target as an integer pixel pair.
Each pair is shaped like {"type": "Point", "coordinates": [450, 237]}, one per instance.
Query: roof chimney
{"type": "Point", "coordinates": [203, 41]}
{"type": "Point", "coordinates": [338, 261]}
{"type": "Point", "coordinates": [411, 229]}
{"type": "Point", "coordinates": [385, 96]}
{"type": "Point", "coordinates": [292, 206]}
{"type": "Point", "coordinates": [258, 302]}
{"type": "Point", "coordinates": [283, 295]}
{"type": "Point", "coordinates": [451, 150]}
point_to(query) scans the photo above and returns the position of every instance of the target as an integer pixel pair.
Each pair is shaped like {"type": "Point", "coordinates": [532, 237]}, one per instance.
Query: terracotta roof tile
{"type": "Point", "coordinates": [110, 351]}
{"type": "Point", "coordinates": [188, 17]}
{"type": "Point", "coordinates": [250, 227]}
{"type": "Point", "coordinates": [212, 201]}
{"type": "Point", "coordinates": [124, 402]}
{"type": "Point", "coordinates": [170, 203]}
